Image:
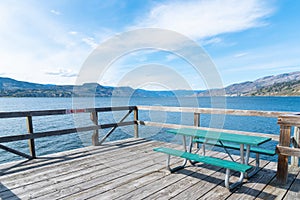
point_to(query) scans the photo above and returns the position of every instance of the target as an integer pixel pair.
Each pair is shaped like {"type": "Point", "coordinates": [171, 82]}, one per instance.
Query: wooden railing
{"type": "Point", "coordinates": [286, 120]}
{"type": "Point", "coordinates": [283, 149]}
{"type": "Point", "coordinates": [32, 135]}
{"type": "Point", "coordinates": [212, 111]}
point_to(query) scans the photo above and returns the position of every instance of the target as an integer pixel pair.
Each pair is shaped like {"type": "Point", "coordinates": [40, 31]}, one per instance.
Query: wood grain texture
{"type": "Point", "coordinates": [282, 165]}
{"type": "Point", "coordinates": [130, 169]}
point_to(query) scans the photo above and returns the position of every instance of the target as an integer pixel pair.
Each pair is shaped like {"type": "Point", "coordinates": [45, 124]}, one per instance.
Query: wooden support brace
{"type": "Point", "coordinates": [31, 141]}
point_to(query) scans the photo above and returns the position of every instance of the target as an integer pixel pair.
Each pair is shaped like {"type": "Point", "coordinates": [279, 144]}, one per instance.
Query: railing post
{"type": "Point", "coordinates": [197, 124]}
{"type": "Point", "coordinates": [197, 119]}
{"type": "Point", "coordinates": [296, 144]}
{"type": "Point", "coordinates": [282, 165]}
{"type": "Point", "coordinates": [136, 119]}
{"type": "Point", "coordinates": [31, 141]}
{"type": "Point", "coordinates": [95, 136]}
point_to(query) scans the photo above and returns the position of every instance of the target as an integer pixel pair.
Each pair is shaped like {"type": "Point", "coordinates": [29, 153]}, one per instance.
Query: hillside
{"type": "Point", "coordinates": [265, 84]}
{"type": "Point", "coordinates": [287, 84]}
{"type": "Point", "coordinates": [13, 88]}
{"type": "Point", "coordinates": [278, 85]}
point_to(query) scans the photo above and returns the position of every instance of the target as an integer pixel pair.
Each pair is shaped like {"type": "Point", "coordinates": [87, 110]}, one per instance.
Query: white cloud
{"type": "Point", "coordinates": [238, 55]}
{"type": "Point", "coordinates": [55, 12]}
{"type": "Point", "coordinates": [171, 57]}
{"type": "Point", "coordinates": [90, 41]}
{"type": "Point", "coordinates": [26, 53]}
{"type": "Point", "coordinates": [201, 19]}
{"type": "Point", "coordinates": [62, 73]}
{"type": "Point", "coordinates": [73, 33]}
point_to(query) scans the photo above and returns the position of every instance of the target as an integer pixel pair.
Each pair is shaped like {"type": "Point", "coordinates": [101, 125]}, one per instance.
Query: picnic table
{"type": "Point", "coordinates": [244, 143]}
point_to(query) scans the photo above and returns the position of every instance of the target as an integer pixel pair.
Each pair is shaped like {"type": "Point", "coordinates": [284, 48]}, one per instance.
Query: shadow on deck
{"type": "Point", "coordinates": [129, 169]}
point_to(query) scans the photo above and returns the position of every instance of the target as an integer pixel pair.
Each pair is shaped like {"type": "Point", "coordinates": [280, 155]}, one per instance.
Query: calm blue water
{"type": "Point", "coordinates": [72, 141]}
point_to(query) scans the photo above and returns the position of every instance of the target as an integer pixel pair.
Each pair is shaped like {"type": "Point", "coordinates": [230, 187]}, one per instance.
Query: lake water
{"type": "Point", "coordinates": [61, 143]}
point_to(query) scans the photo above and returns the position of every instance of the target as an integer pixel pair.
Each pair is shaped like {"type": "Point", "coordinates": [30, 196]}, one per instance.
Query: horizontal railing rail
{"type": "Point", "coordinates": [32, 135]}
{"type": "Point", "coordinates": [257, 113]}
{"type": "Point", "coordinates": [62, 111]}
{"type": "Point", "coordinates": [286, 120]}
{"type": "Point", "coordinates": [211, 111]}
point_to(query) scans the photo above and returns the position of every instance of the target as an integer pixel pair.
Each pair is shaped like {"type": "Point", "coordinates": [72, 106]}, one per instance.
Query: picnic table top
{"type": "Point", "coordinates": [221, 136]}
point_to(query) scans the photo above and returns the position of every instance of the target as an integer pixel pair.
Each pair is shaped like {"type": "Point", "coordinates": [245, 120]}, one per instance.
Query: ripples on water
{"type": "Point", "coordinates": [53, 144]}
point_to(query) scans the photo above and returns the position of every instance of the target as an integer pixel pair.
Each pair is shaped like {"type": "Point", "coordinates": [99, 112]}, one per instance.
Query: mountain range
{"type": "Point", "coordinates": [287, 84]}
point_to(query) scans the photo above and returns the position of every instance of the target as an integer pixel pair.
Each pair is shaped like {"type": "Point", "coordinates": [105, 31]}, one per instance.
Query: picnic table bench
{"type": "Point", "coordinates": [222, 139]}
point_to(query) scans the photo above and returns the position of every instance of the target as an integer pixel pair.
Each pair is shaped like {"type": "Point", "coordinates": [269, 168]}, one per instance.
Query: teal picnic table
{"type": "Point", "coordinates": [222, 139]}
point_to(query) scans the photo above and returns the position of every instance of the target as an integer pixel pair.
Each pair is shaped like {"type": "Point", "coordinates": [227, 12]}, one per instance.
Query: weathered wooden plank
{"type": "Point", "coordinates": [211, 187]}
{"type": "Point", "coordinates": [201, 172]}
{"type": "Point", "coordinates": [152, 172]}
{"type": "Point", "coordinates": [81, 183]}
{"type": "Point", "coordinates": [215, 188]}
{"type": "Point", "coordinates": [88, 173]}
{"type": "Point", "coordinates": [278, 190]}
{"type": "Point", "coordinates": [50, 168]}
{"type": "Point", "coordinates": [65, 154]}
{"type": "Point", "coordinates": [178, 126]}
{"type": "Point", "coordinates": [252, 188]}
{"type": "Point", "coordinates": [156, 186]}
{"type": "Point", "coordinates": [55, 168]}
{"type": "Point", "coordinates": [137, 183]}
{"type": "Point", "coordinates": [294, 190]}
{"type": "Point", "coordinates": [102, 165]}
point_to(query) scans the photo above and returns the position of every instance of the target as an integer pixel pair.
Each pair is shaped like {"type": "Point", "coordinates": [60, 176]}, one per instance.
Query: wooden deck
{"type": "Point", "coordinates": [129, 169]}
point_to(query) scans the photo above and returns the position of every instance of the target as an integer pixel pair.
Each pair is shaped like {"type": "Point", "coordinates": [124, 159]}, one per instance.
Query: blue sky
{"type": "Point", "coordinates": [48, 41]}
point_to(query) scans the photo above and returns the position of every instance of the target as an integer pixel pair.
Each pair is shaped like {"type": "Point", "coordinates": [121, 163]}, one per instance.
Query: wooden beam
{"type": "Point", "coordinates": [136, 127]}
{"type": "Point", "coordinates": [197, 119]}
{"type": "Point", "coordinates": [287, 151]}
{"type": "Point", "coordinates": [296, 144]}
{"type": "Point", "coordinates": [289, 120]}
{"type": "Point", "coordinates": [63, 111]}
{"type": "Point", "coordinates": [95, 136]}
{"type": "Point", "coordinates": [177, 126]}
{"type": "Point", "coordinates": [257, 113]}
{"type": "Point", "coordinates": [114, 128]}
{"type": "Point", "coordinates": [15, 152]}
{"type": "Point", "coordinates": [62, 132]}
{"type": "Point", "coordinates": [282, 165]}
{"type": "Point", "coordinates": [31, 141]}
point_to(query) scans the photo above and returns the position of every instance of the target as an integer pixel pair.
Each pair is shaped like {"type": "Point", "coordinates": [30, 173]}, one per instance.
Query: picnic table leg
{"type": "Point", "coordinates": [246, 161]}
{"type": "Point", "coordinates": [184, 162]}
{"type": "Point", "coordinates": [233, 185]}
{"type": "Point", "coordinates": [198, 148]}
{"type": "Point", "coordinates": [242, 153]}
